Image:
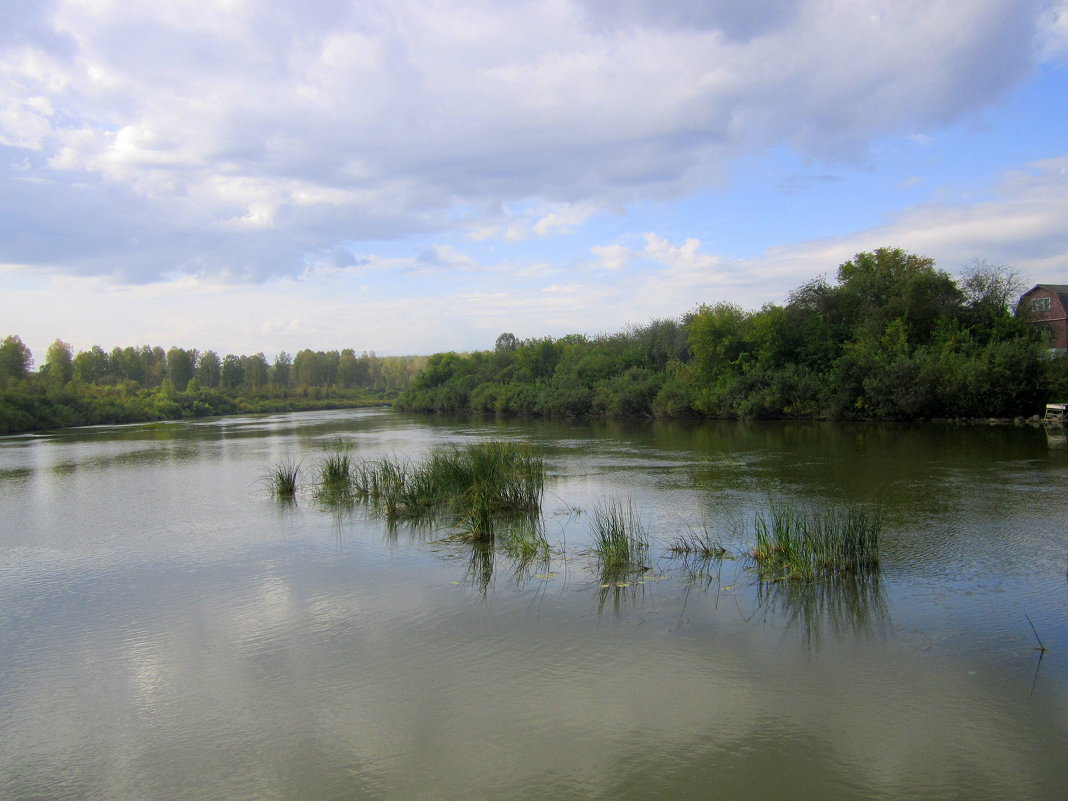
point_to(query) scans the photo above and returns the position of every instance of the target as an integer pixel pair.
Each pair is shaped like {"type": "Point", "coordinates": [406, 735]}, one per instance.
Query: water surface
{"type": "Point", "coordinates": [169, 631]}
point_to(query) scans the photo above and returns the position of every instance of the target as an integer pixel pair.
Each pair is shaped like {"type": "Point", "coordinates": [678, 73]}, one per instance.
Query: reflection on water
{"type": "Point", "coordinates": [1056, 436]}
{"type": "Point", "coordinates": [849, 604]}
{"type": "Point", "coordinates": [168, 630]}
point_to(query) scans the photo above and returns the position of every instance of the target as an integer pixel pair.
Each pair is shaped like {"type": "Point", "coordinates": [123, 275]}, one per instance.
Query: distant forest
{"type": "Point", "coordinates": [148, 383]}
{"type": "Point", "coordinates": [894, 338]}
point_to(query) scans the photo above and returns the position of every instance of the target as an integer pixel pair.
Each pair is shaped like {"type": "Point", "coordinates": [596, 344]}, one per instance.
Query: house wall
{"type": "Point", "coordinates": [1055, 318]}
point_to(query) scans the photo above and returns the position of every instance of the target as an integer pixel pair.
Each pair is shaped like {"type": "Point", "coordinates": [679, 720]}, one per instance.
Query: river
{"type": "Point", "coordinates": [169, 630]}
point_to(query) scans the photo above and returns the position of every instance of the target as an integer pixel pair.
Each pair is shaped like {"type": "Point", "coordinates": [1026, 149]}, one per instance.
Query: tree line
{"type": "Point", "coordinates": [148, 383]}
{"type": "Point", "coordinates": [893, 338]}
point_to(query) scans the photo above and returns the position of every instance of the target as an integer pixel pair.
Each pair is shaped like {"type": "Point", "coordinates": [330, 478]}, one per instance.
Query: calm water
{"type": "Point", "coordinates": [168, 631]}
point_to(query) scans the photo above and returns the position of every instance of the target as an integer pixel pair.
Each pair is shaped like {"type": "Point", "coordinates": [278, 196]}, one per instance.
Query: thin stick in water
{"type": "Point", "coordinates": [1041, 647]}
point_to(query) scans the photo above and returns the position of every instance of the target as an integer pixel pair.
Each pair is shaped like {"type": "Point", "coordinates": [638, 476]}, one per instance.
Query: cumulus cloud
{"type": "Point", "coordinates": [143, 139]}
{"type": "Point", "coordinates": [527, 220]}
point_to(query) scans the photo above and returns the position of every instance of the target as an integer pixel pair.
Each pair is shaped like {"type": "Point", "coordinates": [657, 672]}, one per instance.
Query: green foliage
{"type": "Point", "coordinates": [477, 485]}
{"type": "Point", "coordinates": [283, 480]}
{"type": "Point", "coordinates": [620, 540]}
{"type": "Point", "coordinates": [894, 338]}
{"type": "Point", "coordinates": [335, 476]}
{"type": "Point", "coordinates": [15, 360]}
{"type": "Point", "coordinates": [59, 364]}
{"type": "Point", "coordinates": [147, 383]}
{"type": "Point", "coordinates": [801, 542]}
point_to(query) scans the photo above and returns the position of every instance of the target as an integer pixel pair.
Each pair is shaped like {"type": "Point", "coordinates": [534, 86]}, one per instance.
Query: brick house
{"type": "Point", "coordinates": [1046, 305]}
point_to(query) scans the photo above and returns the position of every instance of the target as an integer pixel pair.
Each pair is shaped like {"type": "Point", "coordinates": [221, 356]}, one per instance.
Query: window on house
{"type": "Point", "coordinates": [1040, 304]}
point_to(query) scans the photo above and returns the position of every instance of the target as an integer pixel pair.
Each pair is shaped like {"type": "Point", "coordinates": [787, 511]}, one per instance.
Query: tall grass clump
{"type": "Point", "coordinates": [335, 475]}
{"type": "Point", "coordinates": [620, 541]}
{"type": "Point", "coordinates": [283, 480]}
{"type": "Point", "coordinates": [804, 542]}
{"type": "Point", "coordinates": [476, 484]}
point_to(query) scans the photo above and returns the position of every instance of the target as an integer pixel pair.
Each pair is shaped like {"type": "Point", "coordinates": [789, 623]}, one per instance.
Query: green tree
{"type": "Point", "coordinates": [280, 373]}
{"type": "Point", "coordinates": [209, 370]}
{"type": "Point", "coordinates": [255, 371]}
{"type": "Point", "coordinates": [717, 337]}
{"type": "Point", "coordinates": [506, 342]}
{"type": "Point", "coordinates": [181, 367]}
{"type": "Point", "coordinates": [15, 359]}
{"type": "Point", "coordinates": [154, 360]}
{"type": "Point", "coordinates": [348, 369]}
{"type": "Point", "coordinates": [92, 366]}
{"type": "Point", "coordinates": [60, 363]}
{"type": "Point", "coordinates": [233, 372]}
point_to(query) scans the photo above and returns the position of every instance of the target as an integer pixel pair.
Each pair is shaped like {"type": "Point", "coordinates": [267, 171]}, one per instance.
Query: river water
{"type": "Point", "coordinates": [168, 630]}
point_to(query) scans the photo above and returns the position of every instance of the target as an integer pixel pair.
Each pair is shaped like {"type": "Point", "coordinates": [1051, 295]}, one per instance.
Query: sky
{"type": "Point", "coordinates": [414, 176]}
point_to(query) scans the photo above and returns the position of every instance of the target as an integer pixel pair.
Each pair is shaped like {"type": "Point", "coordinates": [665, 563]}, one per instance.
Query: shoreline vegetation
{"type": "Point", "coordinates": [894, 338]}
{"type": "Point", "coordinates": [146, 384]}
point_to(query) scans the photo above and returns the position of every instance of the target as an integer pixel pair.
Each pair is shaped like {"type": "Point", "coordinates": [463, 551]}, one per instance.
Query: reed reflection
{"type": "Point", "coordinates": [848, 604]}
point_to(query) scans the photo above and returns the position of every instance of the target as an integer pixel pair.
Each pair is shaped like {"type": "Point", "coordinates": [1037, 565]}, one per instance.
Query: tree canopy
{"type": "Point", "coordinates": [893, 338]}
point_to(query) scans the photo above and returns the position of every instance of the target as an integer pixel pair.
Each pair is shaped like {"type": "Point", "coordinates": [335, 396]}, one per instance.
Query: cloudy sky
{"type": "Point", "coordinates": [409, 176]}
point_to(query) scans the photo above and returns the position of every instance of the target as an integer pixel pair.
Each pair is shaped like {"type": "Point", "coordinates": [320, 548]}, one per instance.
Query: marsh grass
{"type": "Point", "coordinates": [698, 544]}
{"type": "Point", "coordinates": [524, 542]}
{"type": "Point", "coordinates": [335, 477]}
{"type": "Point", "coordinates": [804, 542]}
{"type": "Point", "coordinates": [620, 540]}
{"type": "Point", "coordinates": [478, 485]}
{"type": "Point", "coordinates": [283, 480]}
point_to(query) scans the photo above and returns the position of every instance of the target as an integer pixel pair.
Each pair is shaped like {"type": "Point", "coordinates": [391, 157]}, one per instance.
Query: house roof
{"type": "Point", "coordinates": [1060, 290]}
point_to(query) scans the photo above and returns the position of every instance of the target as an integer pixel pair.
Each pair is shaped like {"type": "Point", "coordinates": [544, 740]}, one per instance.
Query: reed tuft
{"type": "Point", "coordinates": [477, 485]}
{"type": "Point", "coordinates": [803, 542]}
{"type": "Point", "coordinates": [283, 480]}
{"type": "Point", "coordinates": [620, 540]}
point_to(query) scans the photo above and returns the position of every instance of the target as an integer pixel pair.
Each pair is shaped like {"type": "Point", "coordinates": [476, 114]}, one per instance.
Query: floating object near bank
{"type": "Point", "coordinates": [1056, 413]}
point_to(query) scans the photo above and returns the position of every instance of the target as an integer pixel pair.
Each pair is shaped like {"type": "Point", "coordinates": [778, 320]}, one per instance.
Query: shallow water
{"type": "Point", "coordinates": [169, 631]}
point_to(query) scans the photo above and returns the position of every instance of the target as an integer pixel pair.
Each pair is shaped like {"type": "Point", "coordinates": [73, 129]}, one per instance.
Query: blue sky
{"type": "Point", "coordinates": [420, 175]}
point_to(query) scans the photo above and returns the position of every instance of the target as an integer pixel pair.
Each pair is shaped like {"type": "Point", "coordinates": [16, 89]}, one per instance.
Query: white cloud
{"type": "Point", "coordinates": [238, 137]}
{"type": "Point", "coordinates": [563, 218]}
{"type": "Point", "coordinates": [445, 299]}
{"type": "Point", "coordinates": [612, 257]}
{"type": "Point", "coordinates": [1054, 36]}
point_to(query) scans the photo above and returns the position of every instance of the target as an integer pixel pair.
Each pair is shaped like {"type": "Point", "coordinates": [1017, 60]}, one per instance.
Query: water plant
{"type": "Point", "coordinates": [283, 480]}
{"type": "Point", "coordinates": [524, 542]}
{"type": "Point", "coordinates": [477, 484]}
{"type": "Point", "coordinates": [796, 541]}
{"type": "Point", "coordinates": [336, 469]}
{"type": "Point", "coordinates": [698, 544]}
{"type": "Point", "coordinates": [620, 540]}
{"type": "Point", "coordinates": [335, 476]}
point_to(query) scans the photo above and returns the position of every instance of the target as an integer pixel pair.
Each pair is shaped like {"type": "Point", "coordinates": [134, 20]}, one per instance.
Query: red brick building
{"type": "Point", "coordinates": [1046, 305]}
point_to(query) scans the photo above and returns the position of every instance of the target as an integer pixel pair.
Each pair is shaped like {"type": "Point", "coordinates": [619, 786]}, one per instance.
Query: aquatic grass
{"type": "Point", "coordinates": [335, 476]}
{"type": "Point", "coordinates": [620, 540]}
{"type": "Point", "coordinates": [795, 541]}
{"type": "Point", "coordinates": [524, 542]}
{"type": "Point", "coordinates": [699, 544]}
{"type": "Point", "coordinates": [475, 484]}
{"type": "Point", "coordinates": [335, 470]}
{"type": "Point", "coordinates": [283, 480]}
